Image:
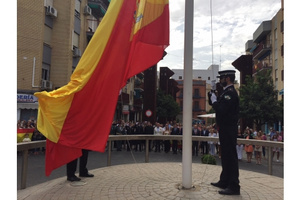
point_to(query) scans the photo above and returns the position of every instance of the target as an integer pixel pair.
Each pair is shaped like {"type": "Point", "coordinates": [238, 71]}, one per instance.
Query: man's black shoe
{"type": "Point", "coordinates": [73, 178]}
{"type": "Point", "coordinates": [86, 175]}
{"type": "Point", "coordinates": [228, 191]}
{"type": "Point", "coordinates": [219, 185]}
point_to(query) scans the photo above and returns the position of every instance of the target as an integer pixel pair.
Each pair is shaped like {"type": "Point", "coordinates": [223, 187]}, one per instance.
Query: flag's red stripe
{"type": "Point", "coordinates": [93, 107]}
{"type": "Point", "coordinates": [25, 130]}
{"type": "Point", "coordinates": [154, 41]}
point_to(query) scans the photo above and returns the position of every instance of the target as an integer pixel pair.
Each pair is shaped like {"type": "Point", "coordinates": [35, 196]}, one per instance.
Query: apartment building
{"type": "Point", "coordinates": [201, 85]}
{"type": "Point", "coordinates": [266, 51]}
{"type": "Point", "coordinates": [51, 37]}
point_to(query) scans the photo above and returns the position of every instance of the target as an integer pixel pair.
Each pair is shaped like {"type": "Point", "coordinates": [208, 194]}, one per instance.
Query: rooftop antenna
{"type": "Point", "coordinates": [212, 35]}
{"type": "Point", "coordinates": [220, 57]}
{"type": "Point", "coordinates": [212, 46]}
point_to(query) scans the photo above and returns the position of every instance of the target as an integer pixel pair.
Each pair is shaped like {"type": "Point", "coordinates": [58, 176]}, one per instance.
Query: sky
{"type": "Point", "coordinates": [233, 24]}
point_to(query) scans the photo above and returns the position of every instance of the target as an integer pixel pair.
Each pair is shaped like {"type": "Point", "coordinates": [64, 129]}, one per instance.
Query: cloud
{"type": "Point", "coordinates": [234, 23]}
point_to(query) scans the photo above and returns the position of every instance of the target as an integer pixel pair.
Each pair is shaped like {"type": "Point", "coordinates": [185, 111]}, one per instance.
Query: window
{"type": "Point", "coordinates": [77, 24]}
{"type": "Point", "coordinates": [47, 35]}
{"type": "Point", "coordinates": [196, 105]}
{"type": "Point", "coordinates": [180, 77]}
{"type": "Point", "coordinates": [45, 72]}
{"type": "Point", "coordinates": [196, 92]}
{"type": "Point", "coordinates": [77, 6]}
{"type": "Point", "coordinates": [75, 41]}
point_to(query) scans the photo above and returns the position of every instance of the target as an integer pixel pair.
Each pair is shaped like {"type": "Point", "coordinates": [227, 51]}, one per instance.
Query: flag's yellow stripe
{"type": "Point", "coordinates": [54, 106]}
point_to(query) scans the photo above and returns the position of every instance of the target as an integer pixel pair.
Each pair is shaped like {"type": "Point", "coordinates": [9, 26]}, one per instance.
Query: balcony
{"type": "Point", "coordinates": [262, 51]}
{"type": "Point", "coordinates": [99, 7]}
{"type": "Point", "coordinates": [249, 44]}
{"type": "Point", "coordinates": [261, 66]}
{"type": "Point", "coordinates": [262, 31]}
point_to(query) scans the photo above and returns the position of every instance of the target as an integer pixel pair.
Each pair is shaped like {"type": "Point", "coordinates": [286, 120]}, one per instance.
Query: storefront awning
{"type": "Point", "coordinates": [211, 115]}
{"type": "Point", "coordinates": [27, 105]}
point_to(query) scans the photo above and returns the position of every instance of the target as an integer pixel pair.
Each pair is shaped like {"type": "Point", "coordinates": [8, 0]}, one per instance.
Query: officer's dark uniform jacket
{"type": "Point", "coordinates": [227, 108]}
{"type": "Point", "coordinates": [227, 111]}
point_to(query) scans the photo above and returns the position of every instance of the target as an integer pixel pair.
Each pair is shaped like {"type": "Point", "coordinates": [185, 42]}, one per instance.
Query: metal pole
{"type": "Point", "coordinates": [187, 96]}
{"type": "Point", "coordinates": [147, 151]}
{"type": "Point", "coordinates": [270, 160]}
{"type": "Point", "coordinates": [24, 168]}
{"type": "Point", "coordinates": [109, 153]}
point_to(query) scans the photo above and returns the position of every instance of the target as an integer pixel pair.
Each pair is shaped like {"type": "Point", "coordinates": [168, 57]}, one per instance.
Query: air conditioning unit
{"type": "Point", "coordinates": [87, 10]}
{"type": "Point", "coordinates": [51, 11]}
{"type": "Point", "coordinates": [76, 52]}
{"type": "Point", "coordinates": [45, 84]}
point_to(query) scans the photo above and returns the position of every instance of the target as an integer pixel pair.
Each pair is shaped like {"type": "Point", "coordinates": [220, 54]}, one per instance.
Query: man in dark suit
{"type": "Point", "coordinates": [175, 131]}
{"type": "Point", "coordinates": [204, 144]}
{"type": "Point", "coordinates": [83, 171]}
{"type": "Point", "coordinates": [226, 107]}
{"type": "Point", "coordinates": [195, 146]}
{"type": "Point", "coordinates": [149, 131]}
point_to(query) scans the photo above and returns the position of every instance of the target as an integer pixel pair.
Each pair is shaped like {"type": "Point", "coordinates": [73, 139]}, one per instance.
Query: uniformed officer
{"type": "Point", "coordinates": [226, 107]}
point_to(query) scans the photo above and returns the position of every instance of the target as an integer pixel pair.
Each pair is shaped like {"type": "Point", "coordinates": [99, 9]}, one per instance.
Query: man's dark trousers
{"type": "Point", "coordinates": [72, 166]}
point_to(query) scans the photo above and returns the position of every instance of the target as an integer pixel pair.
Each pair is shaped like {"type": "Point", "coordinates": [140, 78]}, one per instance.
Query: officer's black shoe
{"type": "Point", "coordinates": [86, 175]}
{"type": "Point", "coordinates": [219, 185]}
{"type": "Point", "coordinates": [73, 178]}
{"type": "Point", "coordinates": [228, 191]}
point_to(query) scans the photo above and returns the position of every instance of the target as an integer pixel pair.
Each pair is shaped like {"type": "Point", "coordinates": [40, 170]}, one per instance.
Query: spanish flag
{"type": "Point", "coordinates": [131, 38]}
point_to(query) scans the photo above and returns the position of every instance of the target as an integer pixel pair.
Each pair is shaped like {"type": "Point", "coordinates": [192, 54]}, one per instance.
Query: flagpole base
{"type": "Point", "coordinates": [179, 186]}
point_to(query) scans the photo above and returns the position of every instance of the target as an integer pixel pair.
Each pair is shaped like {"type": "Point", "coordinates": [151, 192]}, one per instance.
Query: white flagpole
{"type": "Point", "coordinates": [187, 96]}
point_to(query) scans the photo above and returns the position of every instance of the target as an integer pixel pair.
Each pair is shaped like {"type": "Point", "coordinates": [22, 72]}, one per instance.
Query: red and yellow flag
{"type": "Point", "coordinates": [22, 131]}
{"type": "Point", "coordinates": [131, 38]}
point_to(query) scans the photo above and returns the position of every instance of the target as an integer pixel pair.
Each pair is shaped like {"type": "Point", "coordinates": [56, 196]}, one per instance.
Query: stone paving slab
{"type": "Point", "coordinates": [153, 181]}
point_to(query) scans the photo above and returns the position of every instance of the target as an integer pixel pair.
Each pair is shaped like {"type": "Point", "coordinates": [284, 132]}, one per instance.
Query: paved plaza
{"type": "Point", "coordinates": [161, 180]}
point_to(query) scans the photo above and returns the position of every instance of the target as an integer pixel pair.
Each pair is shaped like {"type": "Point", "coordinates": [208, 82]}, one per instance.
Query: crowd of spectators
{"type": "Point", "coordinates": [198, 147]}
{"type": "Point", "coordinates": [170, 128]}
{"type": "Point", "coordinates": [260, 151]}
{"type": "Point", "coordinates": [173, 128]}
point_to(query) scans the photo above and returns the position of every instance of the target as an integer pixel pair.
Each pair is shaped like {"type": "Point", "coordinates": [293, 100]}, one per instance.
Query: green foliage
{"type": "Point", "coordinates": [167, 107]}
{"type": "Point", "coordinates": [208, 159]}
{"type": "Point", "coordinates": [258, 100]}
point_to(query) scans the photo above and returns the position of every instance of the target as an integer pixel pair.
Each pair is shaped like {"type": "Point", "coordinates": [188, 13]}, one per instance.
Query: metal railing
{"type": "Point", "coordinates": [24, 147]}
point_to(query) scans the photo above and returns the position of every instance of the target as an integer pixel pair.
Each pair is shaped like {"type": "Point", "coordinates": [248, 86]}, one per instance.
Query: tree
{"type": "Point", "coordinates": [166, 107]}
{"type": "Point", "coordinates": [258, 100]}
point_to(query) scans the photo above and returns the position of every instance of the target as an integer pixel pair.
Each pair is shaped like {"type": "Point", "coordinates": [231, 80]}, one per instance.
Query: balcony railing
{"type": "Point", "coordinates": [24, 147]}
{"type": "Point", "coordinates": [261, 50]}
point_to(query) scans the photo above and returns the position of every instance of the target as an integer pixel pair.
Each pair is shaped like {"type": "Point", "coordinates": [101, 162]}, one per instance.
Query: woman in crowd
{"type": "Point", "coordinates": [249, 147]}
{"type": "Point", "coordinates": [277, 138]}
{"type": "Point", "coordinates": [167, 144]}
{"type": "Point", "coordinates": [239, 147]}
{"type": "Point", "coordinates": [212, 145]}
{"type": "Point", "coordinates": [258, 148]}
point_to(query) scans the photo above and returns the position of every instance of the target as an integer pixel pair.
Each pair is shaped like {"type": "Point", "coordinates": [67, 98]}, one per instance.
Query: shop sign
{"type": "Point", "coordinates": [26, 98]}
{"type": "Point", "coordinates": [126, 109]}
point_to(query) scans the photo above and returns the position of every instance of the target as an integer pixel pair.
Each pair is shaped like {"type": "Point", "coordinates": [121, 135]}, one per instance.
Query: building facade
{"type": "Point", "coordinates": [201, 86]}
{"type": "Point", "coordinates": [51, 38]}
{"type": "Point", "coordinates": [199, 98]}
{"type": "Point", "coordinates": [265, 51]}
{"type": "Point", "coordinates": [208, 74]}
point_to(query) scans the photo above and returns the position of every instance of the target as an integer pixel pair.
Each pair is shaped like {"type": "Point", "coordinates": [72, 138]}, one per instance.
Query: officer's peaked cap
{"type": "Point", "coordinates": [226, 73]}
